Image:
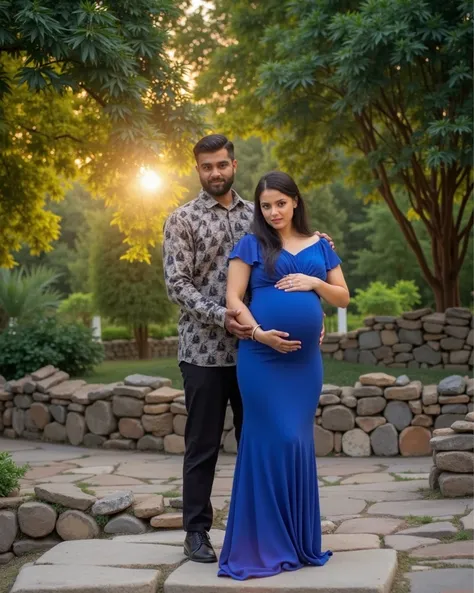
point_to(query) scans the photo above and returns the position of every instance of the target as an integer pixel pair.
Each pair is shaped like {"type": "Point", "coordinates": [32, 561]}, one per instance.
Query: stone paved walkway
{"type": "Point", "coordinates": [388, 532]}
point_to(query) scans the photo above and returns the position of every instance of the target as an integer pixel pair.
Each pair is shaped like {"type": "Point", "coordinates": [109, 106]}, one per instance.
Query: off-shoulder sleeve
{"type": "Point", "coordinates": [330, 256]}
{"type": "Point", "coordinates": [247, 250]}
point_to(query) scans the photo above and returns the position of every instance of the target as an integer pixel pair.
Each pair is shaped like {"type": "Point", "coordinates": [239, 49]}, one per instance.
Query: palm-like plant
{"type": "Point", "coordinates": [26, 294]}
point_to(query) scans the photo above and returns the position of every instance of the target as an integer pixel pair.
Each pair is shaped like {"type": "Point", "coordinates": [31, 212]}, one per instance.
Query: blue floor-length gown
{"type": "Point", "coordinates": [274, 521]}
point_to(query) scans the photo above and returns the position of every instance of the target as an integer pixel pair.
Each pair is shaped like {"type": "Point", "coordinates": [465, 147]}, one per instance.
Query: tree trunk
{"type": "Point", "coordinates": [433, 196]}
{"type": "Point", "coordinates": [445, 284]}
{"type": "Point", "coordinates": [444, 277]}
{"type": "Point", "coordinates": [141, 338]}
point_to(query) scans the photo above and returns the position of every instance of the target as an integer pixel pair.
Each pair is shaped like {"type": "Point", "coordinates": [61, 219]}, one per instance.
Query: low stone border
{"type": "Point", "coordinates": [128, 350]}
{"type": "Point", "coordinates": [63, 512]}
{"type": "Point", "coordinates": [453, 456]}
{"type": "Point", "coordinates": [417, 339]}
{"type": "Point", "coordinates": [381, 415]}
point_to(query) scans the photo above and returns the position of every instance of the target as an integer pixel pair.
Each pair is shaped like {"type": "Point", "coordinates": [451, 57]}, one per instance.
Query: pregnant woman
{"type": "Point", "coordinates": [274, 521]}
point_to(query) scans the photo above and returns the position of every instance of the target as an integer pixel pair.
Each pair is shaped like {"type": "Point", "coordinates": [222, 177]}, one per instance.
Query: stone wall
{"type": "Point", "coordinates": [127, 349]}
{"type": "Point", "coordinates": [453, 456]}
{"type": "Point", "coordinates": [417, 339]}
{"type": "Point", "coordinates": [380, 415]}
{"type": "Point", "coordinates": [63, 512]}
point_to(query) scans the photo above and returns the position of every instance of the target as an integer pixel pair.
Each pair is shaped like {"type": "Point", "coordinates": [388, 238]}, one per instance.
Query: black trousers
{"type": "Point", "coordinates": [207, 391]}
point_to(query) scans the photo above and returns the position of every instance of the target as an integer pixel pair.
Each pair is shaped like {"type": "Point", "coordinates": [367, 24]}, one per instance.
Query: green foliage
{"type": "Point", "coordinates": [101, 520]}
{"type": "Point", "coordinates": [379, 299]}
{"type": "Point", "coordinates": [34, 164]}
{"type": "Point", "coordinates": [90, 89]}
{"type": "Point", "coordinates": [129, 293]}
{"type": "Point", "coordinates": [166, 330]}
{"type": "Point", "coordinates": [171, 494]}
{"type": "Point", "coordinates": [387, 256]}
{"type": "Point", "coordinates": [155, 330]}
{"type": "Point", "coordinates": [71, 348]}
{"type": "Point", "coordinates": [326, 216]}
{"type": "Point", "coordinates": [132, 294]}
{"type": "Point", "coordinates": [254, 158]}
{"type": "Point", "coordinates": [461, 536]}
{"type": "Point", "coordinates": [70, 254]}
{"type": "Point", "coordinates": [84, 486]}
{"type": "Point", "coordinates": [389, 83]}
{"type": "Point", "coordinates": [116, 332]}
{"type": "Point", "coordinates": [26, 294]}
{"type": "Point", "coordinates": [407, 294]}
{"type": "Point", "coordinates": [416, 520]}
{"type": "Point", "coordinates": [353, 322]}
{"type": "Point", "coordinates": [10, 473]}
{"type": "Point", "coordinates": [78, 307]}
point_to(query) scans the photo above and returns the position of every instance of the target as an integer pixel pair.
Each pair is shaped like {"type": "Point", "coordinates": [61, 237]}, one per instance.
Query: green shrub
{"type": "Point", "coordinates": [10, 474]}
{"type": "Point", "coordinates": [78, 307]}
{"type": "Point", "coordinates": [156, 331]}
{"type": "Point", "coordinates": [71, 348]}
{"type": "Point", "coordinates": [163, 331]}
{"type": "Point", "coordinates": [379, 299]}
{"type": "Point", "coordinates": [353, 322]}
{"type": "Point", "coordinates": [407, 294]}
{"type": "Point", "coordinates": [26, 295]}
{"type": "Point", "coordinates": [116, 332]}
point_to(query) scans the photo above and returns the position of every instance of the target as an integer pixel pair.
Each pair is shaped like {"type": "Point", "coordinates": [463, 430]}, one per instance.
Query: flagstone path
{"type": "Point", "coordinates": [389, 534]}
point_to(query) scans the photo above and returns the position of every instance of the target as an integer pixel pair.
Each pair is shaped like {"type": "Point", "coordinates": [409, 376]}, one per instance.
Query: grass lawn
{"type": "Point", "coordinates": [337, 373]}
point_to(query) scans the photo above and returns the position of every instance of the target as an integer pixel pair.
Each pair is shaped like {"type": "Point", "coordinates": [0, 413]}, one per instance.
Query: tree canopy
{"type": "Point", "coordinates": [131, 293]}
{"type": "Point", "coordinates": [387, 81]}
{"type": "Point", "coordinates": [89, 89]}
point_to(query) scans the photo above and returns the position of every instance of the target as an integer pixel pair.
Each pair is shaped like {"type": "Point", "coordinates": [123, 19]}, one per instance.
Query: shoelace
{"type": "Point", "coordinates": [203, 539]}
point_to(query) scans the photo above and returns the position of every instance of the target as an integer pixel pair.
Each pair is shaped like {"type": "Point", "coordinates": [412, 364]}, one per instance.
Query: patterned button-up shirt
{"type": "Point", "coordinates": [199, 237]}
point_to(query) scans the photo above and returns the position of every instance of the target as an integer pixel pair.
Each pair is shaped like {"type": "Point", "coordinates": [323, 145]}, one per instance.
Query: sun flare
{"type": "Point", "coordinates": [149, 180]}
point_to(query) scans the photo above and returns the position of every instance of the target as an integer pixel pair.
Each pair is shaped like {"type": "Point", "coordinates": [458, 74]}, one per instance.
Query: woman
{"type": "Point", "coordinates": [274, 521]}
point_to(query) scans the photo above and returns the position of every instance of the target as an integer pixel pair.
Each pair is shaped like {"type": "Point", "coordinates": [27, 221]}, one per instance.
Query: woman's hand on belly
{"type": "Point", "coordinates": [277, 340]}
{"type": "Point", "coordinates": [297, 283]}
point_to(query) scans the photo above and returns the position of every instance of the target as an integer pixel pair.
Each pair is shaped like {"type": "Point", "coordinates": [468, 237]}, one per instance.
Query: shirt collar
{"type": "Point", "coordinates": [211, 202]}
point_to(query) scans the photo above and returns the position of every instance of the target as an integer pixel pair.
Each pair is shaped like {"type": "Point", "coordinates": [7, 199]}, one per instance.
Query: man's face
{"type": "Point", "coordinates": [216, 172]}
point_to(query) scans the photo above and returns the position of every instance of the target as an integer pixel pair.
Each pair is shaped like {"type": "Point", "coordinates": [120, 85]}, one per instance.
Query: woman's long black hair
{"type": "Point", "coordinates": [267, 236]}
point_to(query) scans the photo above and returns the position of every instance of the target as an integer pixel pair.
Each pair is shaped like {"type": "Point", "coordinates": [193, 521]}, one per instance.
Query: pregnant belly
{"type": "Point", "coordinates": [298, 313]}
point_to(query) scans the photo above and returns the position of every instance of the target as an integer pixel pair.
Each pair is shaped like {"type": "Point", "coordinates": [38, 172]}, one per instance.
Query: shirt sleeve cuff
{"type": "Point", "coordinates": [219, 317]}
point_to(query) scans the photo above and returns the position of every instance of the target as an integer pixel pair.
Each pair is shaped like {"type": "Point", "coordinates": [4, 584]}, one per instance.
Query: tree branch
{"type": "Point", "coordinates": [417, 207]}
{"type": "Point", "coordinates": [467, 228]}
{"type": "Point", "coordinates": [58, 137]}
{"type": "Point", "coordinates": [11, 49]}
{"type": "Point", "coordinates": [406, 132]}
{"type": "Point", "coordinates": [94, 95]}
{"type": "Point", "coordinates": [464, 238]}
{"type": "Point", "coordinates": [467, 171]}
{"type": "Point", "coordinates": [381, 176]}
{"type": "Point", "coordinates": [464, 202]}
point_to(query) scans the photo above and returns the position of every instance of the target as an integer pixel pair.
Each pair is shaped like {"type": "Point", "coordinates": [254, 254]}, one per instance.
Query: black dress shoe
{"type": "Point", "coordinates": [198, 547]}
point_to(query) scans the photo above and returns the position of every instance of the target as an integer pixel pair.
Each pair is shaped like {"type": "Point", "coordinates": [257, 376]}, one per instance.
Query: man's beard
{"type": "Point", "coordinates": [219, 190]}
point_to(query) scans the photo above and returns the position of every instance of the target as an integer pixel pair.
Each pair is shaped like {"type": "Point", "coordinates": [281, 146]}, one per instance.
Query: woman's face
{"type": "Point", "coordinates": [277, 208]}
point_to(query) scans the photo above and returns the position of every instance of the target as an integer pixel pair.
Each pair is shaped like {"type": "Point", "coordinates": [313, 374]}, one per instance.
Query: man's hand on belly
{"type": "Point", "coordinates": [243, 332]}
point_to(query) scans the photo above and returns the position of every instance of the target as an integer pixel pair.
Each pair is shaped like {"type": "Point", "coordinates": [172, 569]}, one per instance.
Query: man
{"type": "Point", "coordinates": [199, 237]}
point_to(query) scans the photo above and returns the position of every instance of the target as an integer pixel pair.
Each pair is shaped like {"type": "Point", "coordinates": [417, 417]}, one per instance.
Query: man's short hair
{"type": "Point", "coordinates": [213, 143]}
